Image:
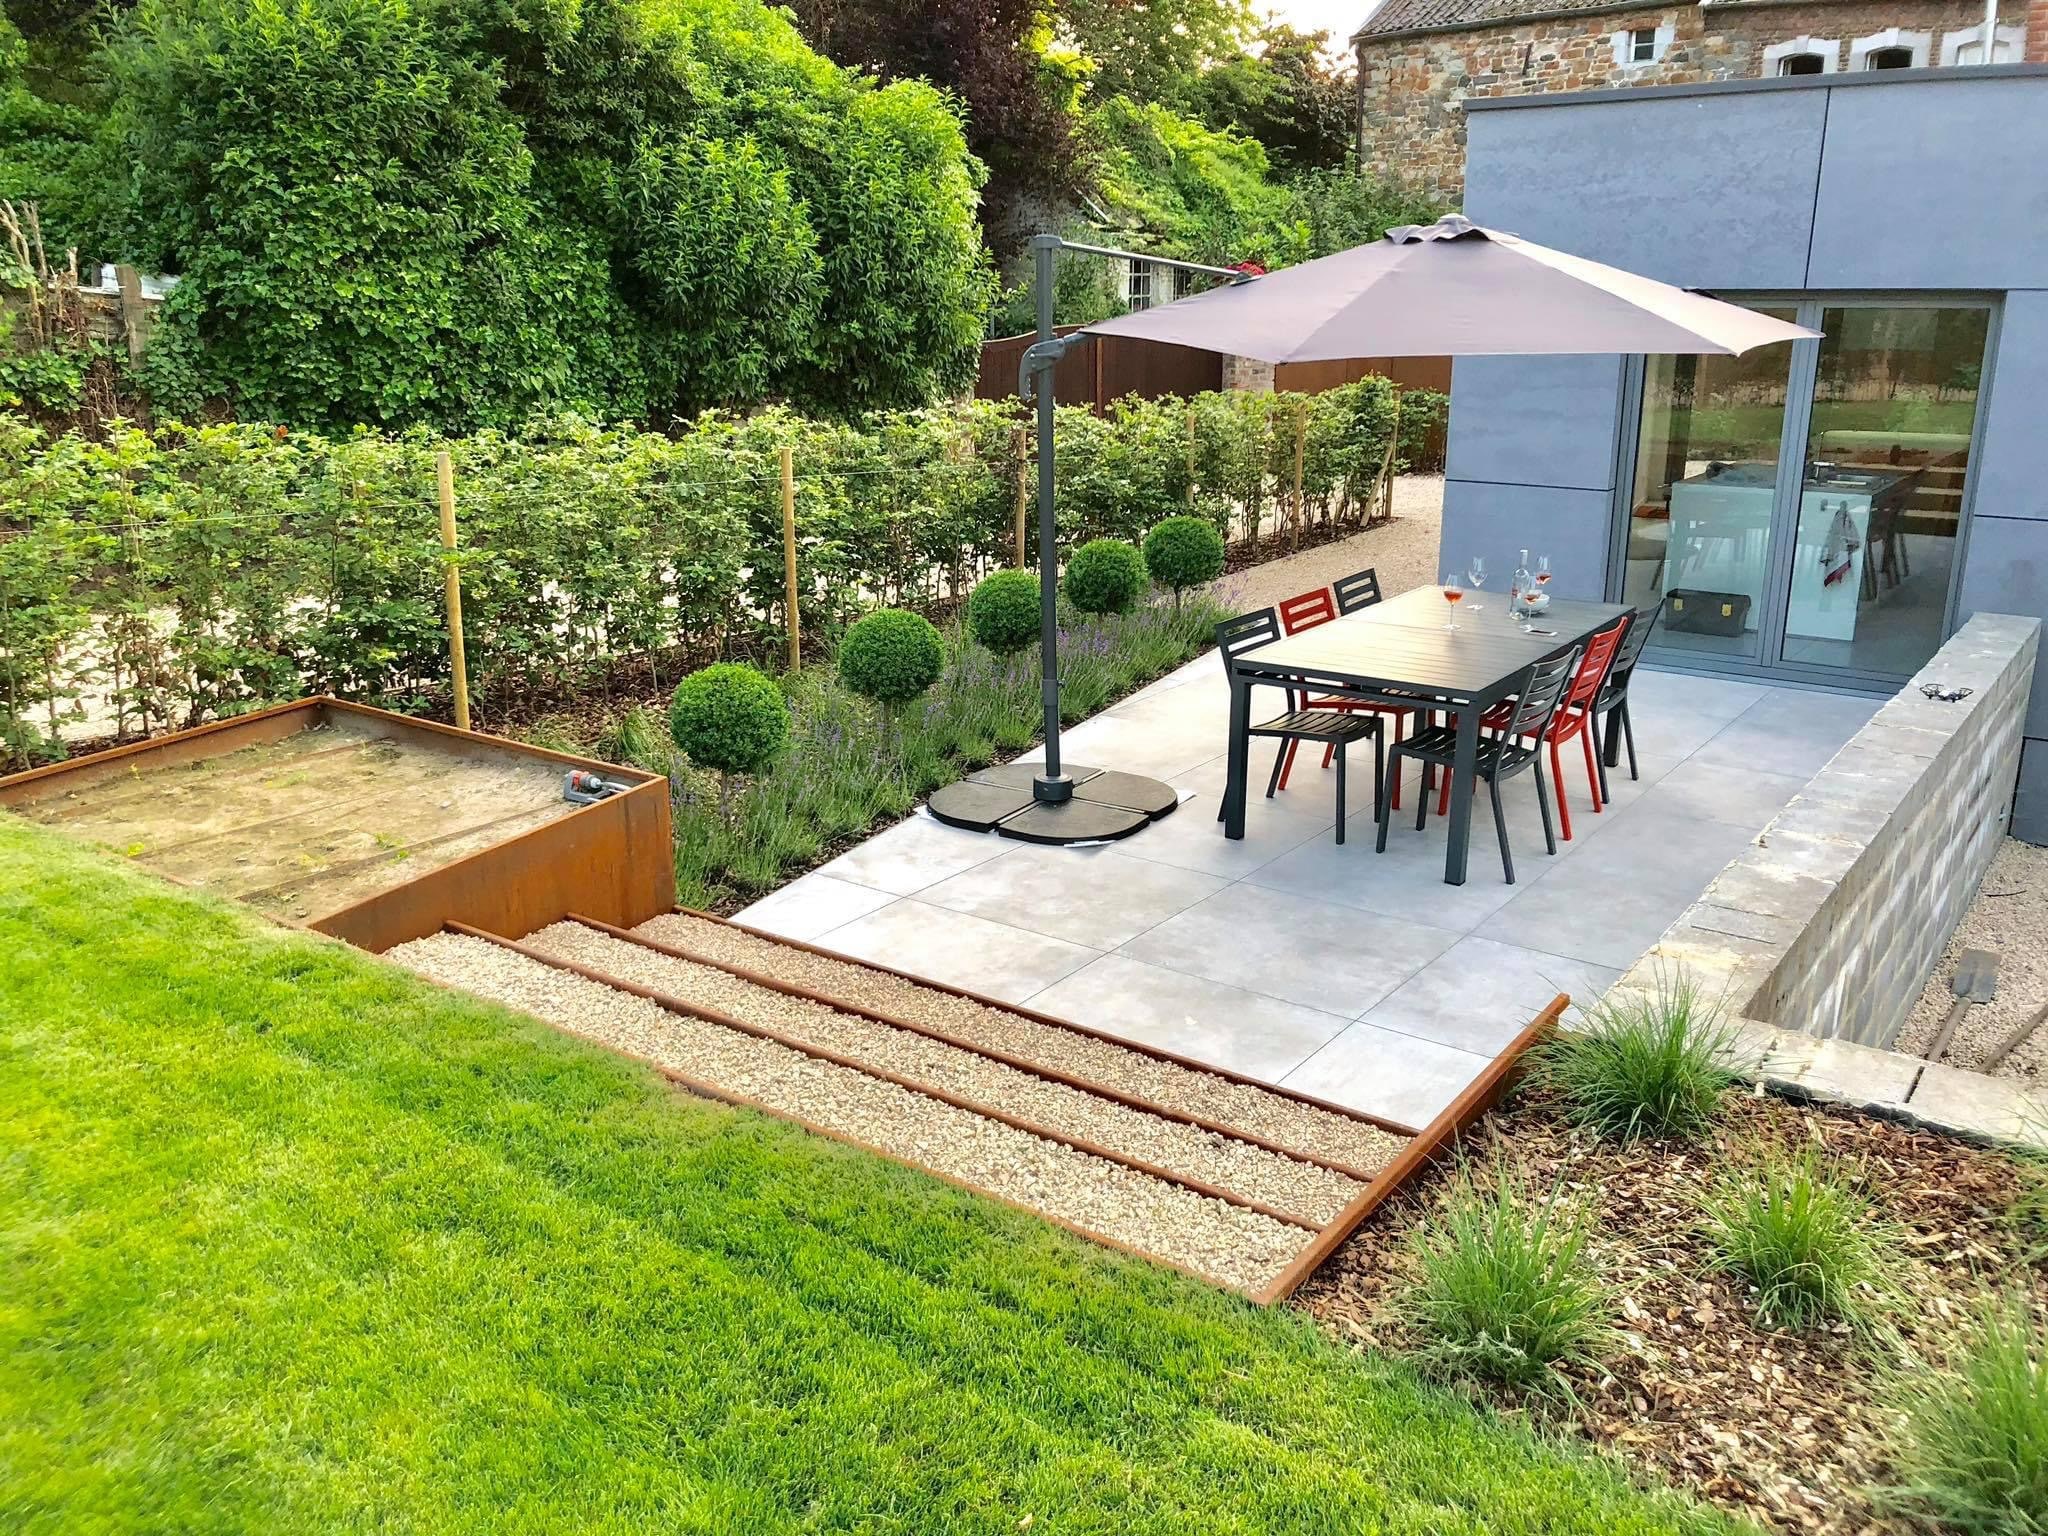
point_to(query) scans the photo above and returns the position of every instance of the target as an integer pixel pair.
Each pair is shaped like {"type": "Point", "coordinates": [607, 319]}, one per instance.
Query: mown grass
{"type": "Point", "coordinates": [292, 1242]}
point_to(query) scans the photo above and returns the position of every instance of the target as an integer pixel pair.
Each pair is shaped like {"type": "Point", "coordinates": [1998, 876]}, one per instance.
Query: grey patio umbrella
{"type": "Point", "coordinates": [1451, 289]}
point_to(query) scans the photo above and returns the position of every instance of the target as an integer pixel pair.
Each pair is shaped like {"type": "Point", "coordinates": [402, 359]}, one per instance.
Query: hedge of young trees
{"type": "Point", "coordinates": [186, 573]}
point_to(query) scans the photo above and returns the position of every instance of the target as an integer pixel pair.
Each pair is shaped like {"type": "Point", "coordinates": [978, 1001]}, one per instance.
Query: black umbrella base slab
{"type": "Point", "coordinates": [1103, 807]}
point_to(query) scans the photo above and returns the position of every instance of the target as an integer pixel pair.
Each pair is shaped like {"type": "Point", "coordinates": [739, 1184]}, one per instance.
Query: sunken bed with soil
{"type": "Point", "coordinates": [1791, 1428]}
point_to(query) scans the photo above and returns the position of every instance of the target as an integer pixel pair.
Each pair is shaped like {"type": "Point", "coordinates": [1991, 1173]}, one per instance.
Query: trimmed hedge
{"type": "Point", "coordinates": [1105, 576]}
{"type": "Point", "coordinates": [1184, 552]}
{"type": "Point", "coordinates": [1002, 612]}
{"type": "Point", "coordinates": [891, 656]}
{"type": "Point", "coordinates": [729, 718]}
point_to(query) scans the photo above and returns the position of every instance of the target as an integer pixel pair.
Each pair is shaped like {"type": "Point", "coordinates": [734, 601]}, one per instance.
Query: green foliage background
{"type": "Point", "coordinates": [452, 215]}
{"type": "Point", "coordinates": [178, 575]}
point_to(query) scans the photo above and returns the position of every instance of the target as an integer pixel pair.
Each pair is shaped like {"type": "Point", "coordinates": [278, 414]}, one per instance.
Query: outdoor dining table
{"type": "Point", "coordinates": [1401, 652]}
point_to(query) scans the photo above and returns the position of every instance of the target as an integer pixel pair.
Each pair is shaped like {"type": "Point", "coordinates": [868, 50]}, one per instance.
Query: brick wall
{"type": "Point", "coordinates": [1412, 123]}
{"type": "Point", "coordinates": [1831, 923]}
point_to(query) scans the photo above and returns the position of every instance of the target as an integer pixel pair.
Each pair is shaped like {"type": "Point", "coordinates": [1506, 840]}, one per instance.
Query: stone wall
{"type": "Point", "coordinates": [1413, 87]}
{"type": "Point", "coordinates": [1829, 925]}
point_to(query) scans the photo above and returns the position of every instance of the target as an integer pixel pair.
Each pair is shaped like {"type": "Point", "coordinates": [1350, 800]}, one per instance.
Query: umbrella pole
{"type": "Point", "coordinates": [1051, 787]}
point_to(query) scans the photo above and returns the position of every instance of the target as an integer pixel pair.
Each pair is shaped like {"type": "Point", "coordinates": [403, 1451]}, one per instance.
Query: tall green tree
{"type": "Point", "coordinates": [454, 213]}
{"type": "Point", "coordinates": [1287, 95]}
{"type": "Point", "coordinates": [1150, 49]}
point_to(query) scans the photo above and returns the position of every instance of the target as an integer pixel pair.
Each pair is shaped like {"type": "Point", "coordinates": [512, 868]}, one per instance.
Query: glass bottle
{"type": "Point", "coordinates": [1519, 586]}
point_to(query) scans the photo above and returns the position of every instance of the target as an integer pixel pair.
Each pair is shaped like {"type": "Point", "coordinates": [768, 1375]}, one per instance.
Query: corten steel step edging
{"type": "Point", "coordinates": [990, 1053]}
{"type": "Point", "coordinates": [722, 1095]}
{"type": "Point", "coordinates": [673, 1004]}
{"type": "Point", "coordinates": [1056, 1022]}
{"type": "Point", "coordinates": [1480, 1095]}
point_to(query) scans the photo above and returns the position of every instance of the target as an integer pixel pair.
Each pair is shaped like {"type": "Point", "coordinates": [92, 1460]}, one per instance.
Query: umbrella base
{"type": "Point", "coordinates": [1102, 808]}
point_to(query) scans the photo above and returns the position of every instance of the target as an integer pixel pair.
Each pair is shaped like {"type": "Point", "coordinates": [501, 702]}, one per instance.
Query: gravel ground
{"type": "Point", "coordinates": [1404, 552]}
{"type": "Point", "coordinates": [1227, 1243]}
{"type": "Point", "coordinates": [1317, 1132]}
{"type": "Point", "coordinates": [1301, 1189]}
{"type": "Point", "coordinates": [2010, 918]}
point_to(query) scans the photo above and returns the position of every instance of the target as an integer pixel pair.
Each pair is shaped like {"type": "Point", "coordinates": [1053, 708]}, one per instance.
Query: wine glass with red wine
{"type": "Point", "coordinates": [1454, 594]}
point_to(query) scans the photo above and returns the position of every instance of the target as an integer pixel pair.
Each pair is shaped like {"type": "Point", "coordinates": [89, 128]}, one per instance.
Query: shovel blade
{"type": "Point", "coordinates": [1976, 977]}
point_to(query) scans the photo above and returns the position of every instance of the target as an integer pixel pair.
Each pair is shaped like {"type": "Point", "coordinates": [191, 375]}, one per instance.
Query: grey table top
{"type": "Point", "coordinates": [1403, 644]}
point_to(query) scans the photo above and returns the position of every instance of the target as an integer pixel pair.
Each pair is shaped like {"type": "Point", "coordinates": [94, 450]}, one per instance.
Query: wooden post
{"type": "Point", "coordinates": [1191, 455]}
{"type": "Point", "coordinates": [796, 647]}
{"type": "Point", "coordinates": [451, 582]}
{"type": "Point", "coordinates": [1020, 450]}
{"type": "Point", "coordinates": [1300, 454]}
{"type": "Point", "coordinates": [1386, 485]}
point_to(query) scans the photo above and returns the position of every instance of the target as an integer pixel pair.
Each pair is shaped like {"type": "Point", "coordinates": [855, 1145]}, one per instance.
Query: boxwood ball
{"type": "Point", "coordinates": [1105, 576]}
{"type": "Point", "coordinates": [1002, 611]}
{"type": "Point", "coordinates": [729, 718]}
{"type": "Point", "coordinates": [1184, 552]}
{"type": "Point", "coordinates": [891, 656]}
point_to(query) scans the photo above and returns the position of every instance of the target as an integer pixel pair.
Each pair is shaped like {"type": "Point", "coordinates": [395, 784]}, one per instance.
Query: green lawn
{"type": "Point", "coordinates": [290, 1242]}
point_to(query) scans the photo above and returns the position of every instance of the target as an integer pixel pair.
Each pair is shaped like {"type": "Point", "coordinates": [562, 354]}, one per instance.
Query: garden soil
{"type": "Point", "coordinates": [1792, 1430]}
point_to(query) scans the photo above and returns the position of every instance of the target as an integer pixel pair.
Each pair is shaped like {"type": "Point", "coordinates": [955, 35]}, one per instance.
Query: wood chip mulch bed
{"type": "Point", "coordinates": [1789, 1430]}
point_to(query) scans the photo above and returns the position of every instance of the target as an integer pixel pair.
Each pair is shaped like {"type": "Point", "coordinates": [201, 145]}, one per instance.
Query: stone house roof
{"type": "Point", "coordinates": [1401, 16]}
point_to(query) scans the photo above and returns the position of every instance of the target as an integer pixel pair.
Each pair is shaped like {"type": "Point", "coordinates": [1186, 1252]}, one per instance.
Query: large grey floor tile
{"type": "Point", "coordinates": [813, 905]}
{"type": "Point", "coordinates": [1479, 994]}
{"type": "Point", "coordinates": [1160, 736]}
{"type": "Point", "coordinates": [1717, 791]}
{"type": "Point", "coordinates": [1398, 1077]}
{"type": "Point", "coordinates": [1316, 953]}
{"type": "Point", "coordinates": [1192, 838]}
{"type": "Point", "coordinates": [1226, 1026]}
{"type": "Point", "coordinates": [918, 851]}
{"type": "Point", "coordinates": [959, 949]}
{"type": "Point", "coordinates": [1789, 731]}
{"type": "Point", "coordinates": [1092, 896]}
{"type": "Point", "coordinates": [1614, 900]}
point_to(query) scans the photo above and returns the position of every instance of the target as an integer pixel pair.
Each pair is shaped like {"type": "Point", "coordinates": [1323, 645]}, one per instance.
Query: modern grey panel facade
{"type": "Point", "coordinates": [1927, 186]}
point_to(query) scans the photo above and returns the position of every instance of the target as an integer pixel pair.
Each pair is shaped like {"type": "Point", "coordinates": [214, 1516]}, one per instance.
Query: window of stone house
{"type": "Point", "coordinates": [1888, 58]}
{"type": "Point", "coordinates": [1802, 64]}
{"type": "Point", "coordinates": [1642, 45]}
{"type": "Point", "coordinates": [1138, 286]}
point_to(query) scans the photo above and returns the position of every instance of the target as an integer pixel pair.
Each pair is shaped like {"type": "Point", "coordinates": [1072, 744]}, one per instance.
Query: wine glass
{"type": "Point", "coordinates": [1454, 594]}
{"type": "Point", "coordinates": [1542, 571]}
{"type": "Point", "coordinates": [1475, 578]}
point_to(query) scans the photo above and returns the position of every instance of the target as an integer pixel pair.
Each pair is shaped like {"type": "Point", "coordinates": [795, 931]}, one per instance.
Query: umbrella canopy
{"type": "Point", "coordinates": [1453, 289]}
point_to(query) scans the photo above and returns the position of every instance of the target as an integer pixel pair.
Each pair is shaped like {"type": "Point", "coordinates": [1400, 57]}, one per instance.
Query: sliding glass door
{"type": "Point", "coordinates": [1797, 510]}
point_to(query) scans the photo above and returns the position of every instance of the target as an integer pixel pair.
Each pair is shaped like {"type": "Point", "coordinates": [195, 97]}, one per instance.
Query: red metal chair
{"type": "Point", "coordinates": [1306, 610]}
{"type": "Point", "coordinates": [1574, 718]}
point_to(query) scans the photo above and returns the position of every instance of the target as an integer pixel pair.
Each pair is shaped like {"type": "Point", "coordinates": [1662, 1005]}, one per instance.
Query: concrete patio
{"type": "Point", "coordinates": [1353, 976]}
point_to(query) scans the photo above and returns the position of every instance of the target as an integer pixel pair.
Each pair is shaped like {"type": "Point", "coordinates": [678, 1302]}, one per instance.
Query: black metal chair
{"type": "Point", "coordinates": [1327, 727]}
{"type": "Point", "coordinates": [1361, 589]}
{"type": "Point", "coordinates": [1502, 755]}
{"type": "Point", "coordinates": [1612, 700]}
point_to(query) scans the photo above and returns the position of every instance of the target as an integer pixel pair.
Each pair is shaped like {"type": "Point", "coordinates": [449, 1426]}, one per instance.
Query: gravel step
{"type": "Point", "coordinates": [1226, 1243]}
{"type": "Point", "coordinates": [1244, 1107]}
{"type": "Point", "coordinates": [1281, 1183]}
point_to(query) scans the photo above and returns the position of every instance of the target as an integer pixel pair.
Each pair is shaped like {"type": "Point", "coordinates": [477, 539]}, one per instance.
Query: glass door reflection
{"type": "Point", "coordinates": [1705, 487]}
{"type": "Point", "coordinates": [1887, 450]}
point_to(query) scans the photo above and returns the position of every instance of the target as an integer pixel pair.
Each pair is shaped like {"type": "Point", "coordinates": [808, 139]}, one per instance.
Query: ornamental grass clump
{"type": "Point", "coordinates": [1643, 1064]}
{"type": "Point", "coordinates": [1002, 611]}
{"type": "Point", "coordinates": [1800, 1235]}
{"type": "Point", "coordinates": [1105, 576]}
{"type": "Point", "coordinates": [1506, 1292]}
{"type": "Point", "coordinates": [1184, 552]}
{"type": "Point", "coordinates": [730, 719]}
{"type": "Point", "coordinates": [1974, 1452]}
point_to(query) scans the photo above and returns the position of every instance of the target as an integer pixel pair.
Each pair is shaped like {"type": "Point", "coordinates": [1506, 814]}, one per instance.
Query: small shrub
{"type": "Point", "coordinates": [1641, 1065]}
{"type": "Point", "coordinates": [1507, 1292]}
{"type": "Point", "coordinates": [1184, 552]}
{"type": "Point", "coordinates": [891, 656]}
{"type": "Point", "coordinates": [1002, 611]}
{"type": "Point", "coordinates": [1801, 1236]}
{"type": "Point", "coordinates": [731, 719]}
{"type": "Point", "coordinates": [1105, 576]}
{"type": "Point", "coordinates": [1974, 1456]}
